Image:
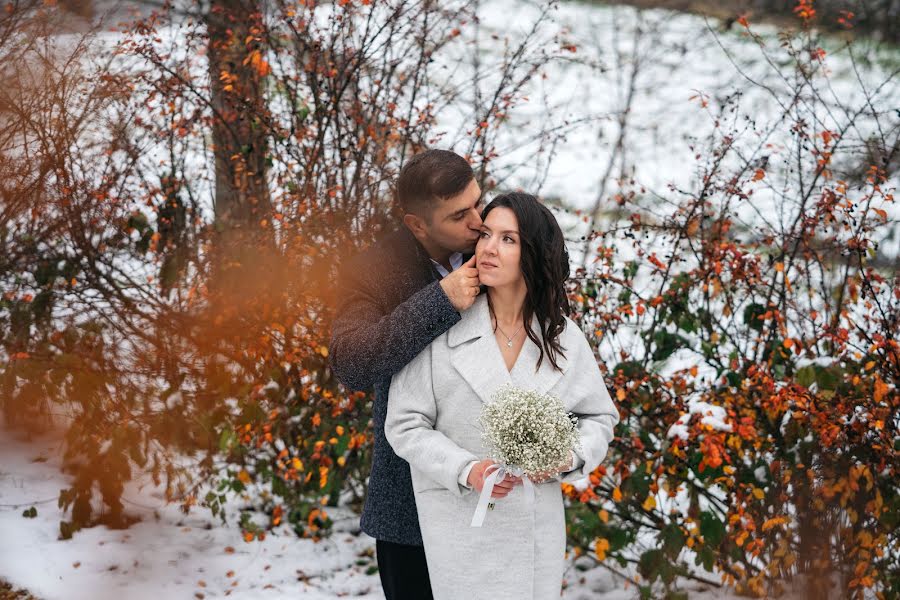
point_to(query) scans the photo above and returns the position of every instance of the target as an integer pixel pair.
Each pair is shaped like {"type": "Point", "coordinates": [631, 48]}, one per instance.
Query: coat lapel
{"type": "Point", "coordinates": [474, 353]}
{"type": "Point", "coordinates": [545, 378]}
{"type": "Point", "coordinates": [476, 357]}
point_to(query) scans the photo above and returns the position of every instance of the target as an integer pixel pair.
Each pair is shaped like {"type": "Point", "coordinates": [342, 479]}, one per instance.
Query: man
{"type": "Point", "coordinates": [394, 299]}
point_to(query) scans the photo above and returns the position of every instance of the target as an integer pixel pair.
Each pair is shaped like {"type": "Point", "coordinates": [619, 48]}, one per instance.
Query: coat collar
{"type": "Point", "coordinates": [475, 354]}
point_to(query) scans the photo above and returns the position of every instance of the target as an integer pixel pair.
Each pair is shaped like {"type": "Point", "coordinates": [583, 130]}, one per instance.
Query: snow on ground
{"type": "Point", "coordinates": [172, 555]}
{"type": "Point", "coordinates": [167, 554]}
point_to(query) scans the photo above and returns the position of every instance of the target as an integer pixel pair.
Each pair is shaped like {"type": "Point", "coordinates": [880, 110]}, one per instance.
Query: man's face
{"type": "Point", "coordinates": [456, 222]}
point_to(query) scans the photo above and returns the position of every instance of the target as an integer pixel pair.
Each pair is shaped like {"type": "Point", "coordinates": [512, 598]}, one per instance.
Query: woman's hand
{"type": "Point", "coordinates": [501, 489]}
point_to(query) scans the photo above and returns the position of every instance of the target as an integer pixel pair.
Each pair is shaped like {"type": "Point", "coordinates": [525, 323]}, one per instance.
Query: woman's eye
{"type": "Point", "coordinates": [484, 234]}
{"type": "Point", "coordinates": [509, 239]}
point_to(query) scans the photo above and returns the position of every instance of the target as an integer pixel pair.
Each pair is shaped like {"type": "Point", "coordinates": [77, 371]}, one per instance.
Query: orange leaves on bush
{"type": "Point", "coordinates": [601, 546]}
{"type": "Point", "coordinates": [228, 80]}
{"type": "Point", "coordinates": [713, 452]}
{"type": "Point", "coordinates": [774, 522]}
{"type": "Point", "coordinates": [759, 174]}
{"type": "Point", "coordinates": [617, 494]}
{"type": "Point", "coordinates": [259, 64]}
{"type": "Point", "coordinates": [845, 19]}
{"type": "Point", "coordinates": [742, 20]}
{"type": "Point", "coordinates": [881, 389]}
{"type": "Point", "coordinates": [804, 9]}
{"type": "Point", "coordinates": [746, 428]}
{"type": "Point", "coordinates": [704, 102]}
{"type": "Point", "coordinates": [316, 515]}
{"type": "Point", "coordinates": [656, 262]}
{"type": "Point", "coordinates": [244, 477]}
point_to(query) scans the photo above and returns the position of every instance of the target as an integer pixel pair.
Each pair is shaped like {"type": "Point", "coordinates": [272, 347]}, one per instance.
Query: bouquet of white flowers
{"type": "Point", "coordinates": [528, 434]}
{"type": "Point", "coordinates": [529, 431]}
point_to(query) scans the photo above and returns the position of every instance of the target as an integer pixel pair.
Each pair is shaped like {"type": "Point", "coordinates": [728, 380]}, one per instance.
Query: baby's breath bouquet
{"type": "Point", "coordinates": [528, 432]}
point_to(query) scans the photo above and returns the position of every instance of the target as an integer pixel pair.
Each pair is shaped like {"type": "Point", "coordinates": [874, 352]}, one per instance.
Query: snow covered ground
{"type": "Point", "coordinates": [167, 554]}
{"type": "Point", "coordinates": [172, 555]}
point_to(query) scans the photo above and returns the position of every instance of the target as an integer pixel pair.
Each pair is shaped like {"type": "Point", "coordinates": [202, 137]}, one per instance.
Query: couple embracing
{"type": "Point", "coordinates": [437, 316]}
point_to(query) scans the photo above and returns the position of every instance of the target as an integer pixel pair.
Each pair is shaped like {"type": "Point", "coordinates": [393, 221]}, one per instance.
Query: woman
{"type": "Point", "coordinates": [517, 332]}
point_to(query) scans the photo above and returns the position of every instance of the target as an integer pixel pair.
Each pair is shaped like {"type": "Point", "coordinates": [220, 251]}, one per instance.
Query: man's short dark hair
{"type": "Point", "coordinates": [430, 176]}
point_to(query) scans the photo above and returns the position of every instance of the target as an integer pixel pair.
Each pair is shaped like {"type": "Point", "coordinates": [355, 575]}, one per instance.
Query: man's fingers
{"type": "Point", "coordinates": [470, 262]}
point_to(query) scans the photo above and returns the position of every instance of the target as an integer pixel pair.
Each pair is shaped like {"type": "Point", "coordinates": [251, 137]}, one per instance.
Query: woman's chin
{"type": "Point", "coordinates": [489, 279]}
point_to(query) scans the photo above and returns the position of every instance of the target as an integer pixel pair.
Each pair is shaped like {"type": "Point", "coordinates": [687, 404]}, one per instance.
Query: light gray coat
{"type": "Point", "coordinates": [435, 401]}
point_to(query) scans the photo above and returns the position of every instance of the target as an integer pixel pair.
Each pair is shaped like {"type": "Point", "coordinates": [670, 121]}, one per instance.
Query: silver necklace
{"type": "Point", "coordinates": [509, 339]}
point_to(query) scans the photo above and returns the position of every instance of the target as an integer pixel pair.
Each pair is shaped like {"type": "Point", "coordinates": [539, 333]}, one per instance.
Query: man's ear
{"type": "Point", "coordinates": [416, 225]}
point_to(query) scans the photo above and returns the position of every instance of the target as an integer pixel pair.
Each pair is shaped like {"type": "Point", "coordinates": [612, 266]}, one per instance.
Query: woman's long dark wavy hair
{"type": "Point", "coordinates": [545, 266]}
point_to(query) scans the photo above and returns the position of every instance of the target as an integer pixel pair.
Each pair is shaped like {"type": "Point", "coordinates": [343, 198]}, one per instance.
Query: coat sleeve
{"type": "Point", "coordinates": [409, 428]}
{"type": "Point", "coordinates": [369, 343]}
{"type": "Point", "coordinates": [597, 415]}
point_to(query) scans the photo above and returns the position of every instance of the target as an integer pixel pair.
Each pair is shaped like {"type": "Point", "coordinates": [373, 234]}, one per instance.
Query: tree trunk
{"type": "Point", "coordinates": [237, 69]}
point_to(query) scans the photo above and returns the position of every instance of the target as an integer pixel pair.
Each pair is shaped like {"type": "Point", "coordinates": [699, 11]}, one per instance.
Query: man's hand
{"type": "Point", "coordinates": [502, 487]}
{"type": "Point", "coordinates": [545, 477]}
{"type": "Point", "coordinates": [461, 285]}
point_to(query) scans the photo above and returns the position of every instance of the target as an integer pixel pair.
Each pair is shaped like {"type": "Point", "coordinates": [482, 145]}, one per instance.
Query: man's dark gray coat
{"type": "Point", "coordinates": [390, 307]}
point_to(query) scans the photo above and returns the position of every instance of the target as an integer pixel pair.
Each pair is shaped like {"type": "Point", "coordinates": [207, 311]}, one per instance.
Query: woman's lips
{"type": "Point", "coordinates": [487, 265]}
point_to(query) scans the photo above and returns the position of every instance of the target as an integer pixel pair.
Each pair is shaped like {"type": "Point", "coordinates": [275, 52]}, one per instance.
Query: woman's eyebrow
{"type": "Point", "coordinates": [515, 231]}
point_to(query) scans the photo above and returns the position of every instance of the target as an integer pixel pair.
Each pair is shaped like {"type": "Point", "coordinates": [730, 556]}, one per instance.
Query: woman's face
{"type": "Point", "coordinates": [499, 249]}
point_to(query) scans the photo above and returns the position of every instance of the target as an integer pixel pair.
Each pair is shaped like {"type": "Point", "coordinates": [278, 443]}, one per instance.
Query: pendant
{"type": "Point", "coordinates": [509, 343]}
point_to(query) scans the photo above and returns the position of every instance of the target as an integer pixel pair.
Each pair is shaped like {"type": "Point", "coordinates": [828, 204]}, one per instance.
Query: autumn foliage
{"type": "Point", "coordinates": [174, 216]}
{"type": "Point", "coordinates": [750, 334]}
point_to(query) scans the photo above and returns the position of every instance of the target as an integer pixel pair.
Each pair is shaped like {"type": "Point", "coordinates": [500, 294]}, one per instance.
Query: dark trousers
{"type": "Point", "coordinates": [403, 571]}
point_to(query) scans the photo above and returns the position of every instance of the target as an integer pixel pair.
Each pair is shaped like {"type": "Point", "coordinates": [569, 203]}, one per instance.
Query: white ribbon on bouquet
{"type": "Point", "coordinates": [496, 474]}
